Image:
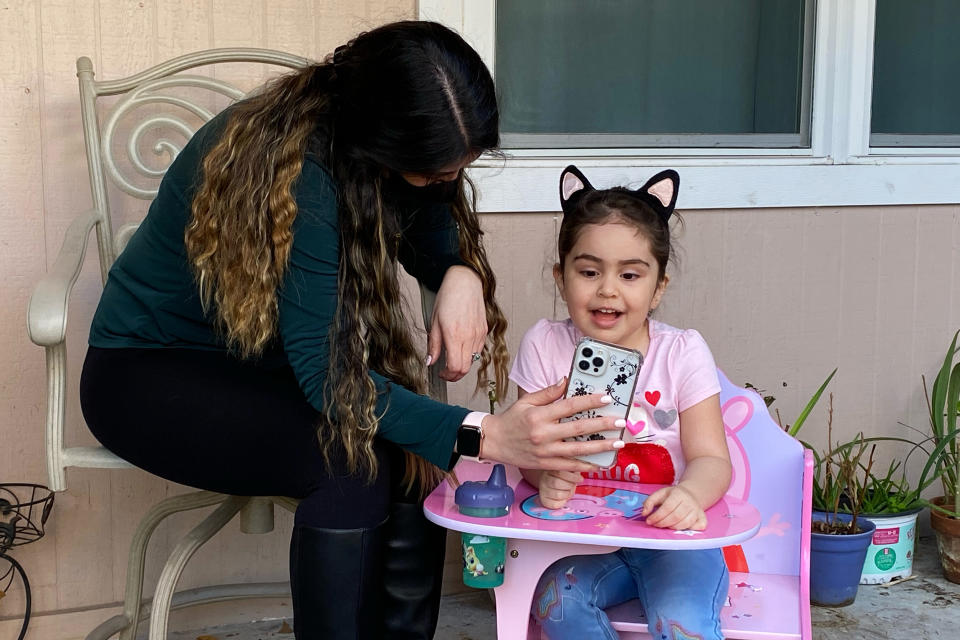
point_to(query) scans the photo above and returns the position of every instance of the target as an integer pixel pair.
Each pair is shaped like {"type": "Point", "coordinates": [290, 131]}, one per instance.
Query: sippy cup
{"type": "Point", "coordinates": [483, 556]}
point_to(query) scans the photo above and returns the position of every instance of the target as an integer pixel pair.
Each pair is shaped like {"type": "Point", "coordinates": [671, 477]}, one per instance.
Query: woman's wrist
{"type": "Point", "coordinates": [491, 450]}
{"type": "Point", "coordinates": [471, 436]}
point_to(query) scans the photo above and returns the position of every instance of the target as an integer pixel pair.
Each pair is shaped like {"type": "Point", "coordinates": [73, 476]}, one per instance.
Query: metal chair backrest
{"type": "Point", "coordinates": [133, 129]}
{"type": "Point", "coordinates": [131, 142]}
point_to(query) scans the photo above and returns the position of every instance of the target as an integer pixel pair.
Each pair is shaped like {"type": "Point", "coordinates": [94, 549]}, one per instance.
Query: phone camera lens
{"type": "Point", "coordinates": [587, 352]}
{"type": "Point", "coordinates": [584, 365]}
{"type": "Point", "coordinates": [598, 362]}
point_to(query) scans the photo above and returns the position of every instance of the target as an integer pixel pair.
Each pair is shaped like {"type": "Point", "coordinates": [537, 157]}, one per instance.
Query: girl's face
{"type": "Point", "coordinates": [610, 284]}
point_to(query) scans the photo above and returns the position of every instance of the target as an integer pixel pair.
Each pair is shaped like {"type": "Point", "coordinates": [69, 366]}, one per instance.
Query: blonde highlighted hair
{"type": "Point", "coordinates": [410, 96]}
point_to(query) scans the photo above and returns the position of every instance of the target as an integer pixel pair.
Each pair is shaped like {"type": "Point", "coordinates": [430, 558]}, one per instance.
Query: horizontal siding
{"type": "Point", "coordinates": [782, 296]}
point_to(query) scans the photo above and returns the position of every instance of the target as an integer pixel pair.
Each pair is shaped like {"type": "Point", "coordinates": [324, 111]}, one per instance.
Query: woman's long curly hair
{"type": "Point", "coordinates": [408, 97]}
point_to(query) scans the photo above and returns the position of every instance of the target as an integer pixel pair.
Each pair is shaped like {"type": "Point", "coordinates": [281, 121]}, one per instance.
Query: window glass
{"type": "Point", "coordinates": [916, 74]}
{"type": "Point", "coordinates": [632, 73]}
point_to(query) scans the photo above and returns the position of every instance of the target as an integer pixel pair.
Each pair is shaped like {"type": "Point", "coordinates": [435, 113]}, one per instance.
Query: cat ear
{"type": "Point", "coordinates": [573, 184]}
{"type": "Point", "coordinates": [663, 187]}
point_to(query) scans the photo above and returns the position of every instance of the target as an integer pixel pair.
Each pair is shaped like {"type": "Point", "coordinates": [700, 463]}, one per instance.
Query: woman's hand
{"type": "Point", "coordinates": [557, 487]}
{"type": "Point", "coordinates": [527, 434]}
{"type": "Point", "coordinates": [674, 508]}
{"type": "Point", "coordinates": [459, 323]}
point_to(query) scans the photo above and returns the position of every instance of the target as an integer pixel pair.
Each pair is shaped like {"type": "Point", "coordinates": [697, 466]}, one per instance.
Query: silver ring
{"type": "Point", "coordinates": [474, 357]}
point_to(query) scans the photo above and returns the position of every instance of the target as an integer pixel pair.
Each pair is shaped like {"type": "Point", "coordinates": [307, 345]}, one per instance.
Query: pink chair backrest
{"type": "Point", "coordinates": [768, 473]}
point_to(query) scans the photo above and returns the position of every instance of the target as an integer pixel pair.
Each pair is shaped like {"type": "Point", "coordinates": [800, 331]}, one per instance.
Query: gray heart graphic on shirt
{"type": "Point", "coordinates": [665, 418]}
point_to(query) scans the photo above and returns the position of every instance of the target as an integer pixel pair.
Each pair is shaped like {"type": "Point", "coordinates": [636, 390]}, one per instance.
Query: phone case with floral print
{"type": "Point", "coordinates": [601, 367]}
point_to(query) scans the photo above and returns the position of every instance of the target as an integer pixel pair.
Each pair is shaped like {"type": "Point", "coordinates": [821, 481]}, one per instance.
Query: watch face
{"type": "Point", "coordinates": [468, 441]}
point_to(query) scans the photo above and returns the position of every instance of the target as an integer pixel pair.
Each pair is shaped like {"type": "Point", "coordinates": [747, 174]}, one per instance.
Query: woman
{"type": "Point", "coordinates": [251, 338]}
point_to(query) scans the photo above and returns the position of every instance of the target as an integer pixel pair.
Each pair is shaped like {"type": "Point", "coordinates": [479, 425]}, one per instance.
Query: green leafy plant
{"type": "Point", "coordinates": [814, 399]}
{"type": "Point", "coordinates": [890, 493]}
{"type": "Point", "coordinates": [845, 480]}
{"type": "Point", "coordinates": [840, 479]}
{"type": "Point", "coordinates": [943, 403]}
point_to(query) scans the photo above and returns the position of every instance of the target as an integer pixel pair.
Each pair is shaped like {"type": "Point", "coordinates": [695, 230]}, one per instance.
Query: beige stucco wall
{"type": "Point", "coordinates": [782, 296]}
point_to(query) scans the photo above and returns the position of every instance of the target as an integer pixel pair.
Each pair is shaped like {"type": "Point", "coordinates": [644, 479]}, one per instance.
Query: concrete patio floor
{"type": "Point", "coordinates": [923, 607]}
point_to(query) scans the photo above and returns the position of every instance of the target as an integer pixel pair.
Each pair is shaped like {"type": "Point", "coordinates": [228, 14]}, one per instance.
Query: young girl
{"type": "Point", "coordinates": [614, 246]}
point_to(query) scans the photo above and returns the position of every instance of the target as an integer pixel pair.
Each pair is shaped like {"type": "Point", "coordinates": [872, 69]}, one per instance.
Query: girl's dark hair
{"type": "Point", "coordinates": [405, 97]}
{"type": "Point", "coordinates": [612, 205]}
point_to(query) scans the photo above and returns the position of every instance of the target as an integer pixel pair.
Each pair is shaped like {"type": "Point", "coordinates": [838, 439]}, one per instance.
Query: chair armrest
{"type": "Point", "coordinates": [47, 313]}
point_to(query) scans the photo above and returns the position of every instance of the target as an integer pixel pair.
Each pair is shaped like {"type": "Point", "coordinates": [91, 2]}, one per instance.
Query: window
{"type": "Point", "coordinates": [864, 100]}
{"type": "Point", "coordinates": [660, 73]}
{"type": "Point", "coordinates": [916, 68]}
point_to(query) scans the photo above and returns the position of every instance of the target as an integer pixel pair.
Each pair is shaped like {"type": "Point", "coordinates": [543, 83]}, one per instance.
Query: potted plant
{"type": "Point", "coordinates": [848, 491]}
{"type": "Point", "coordinates": [838, 540]}
{"type": "Point", "coordinates": [942, 400]}
{"type": "Point", "coordinates": [893, 506]}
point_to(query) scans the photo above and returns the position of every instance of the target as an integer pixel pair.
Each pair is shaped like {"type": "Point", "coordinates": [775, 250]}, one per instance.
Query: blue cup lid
{"type": "Point", "coordinates": [494, 493]}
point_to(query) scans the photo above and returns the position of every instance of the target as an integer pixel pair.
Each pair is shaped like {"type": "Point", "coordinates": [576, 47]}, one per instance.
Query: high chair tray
{"type": "Point", "coordinates": [604, 512]}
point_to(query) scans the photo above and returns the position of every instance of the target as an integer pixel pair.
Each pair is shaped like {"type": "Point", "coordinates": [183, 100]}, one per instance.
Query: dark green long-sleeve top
{"type": "Point", "coordinates": [151, 300]}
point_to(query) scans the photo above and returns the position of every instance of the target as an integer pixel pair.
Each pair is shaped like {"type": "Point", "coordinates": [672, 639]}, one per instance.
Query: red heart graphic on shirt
{"type": "Point", "coordinates": [653, 397]}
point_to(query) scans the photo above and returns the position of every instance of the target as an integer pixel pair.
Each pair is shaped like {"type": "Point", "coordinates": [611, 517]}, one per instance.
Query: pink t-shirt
{"type": "Point", "coordinates": [678, 371]}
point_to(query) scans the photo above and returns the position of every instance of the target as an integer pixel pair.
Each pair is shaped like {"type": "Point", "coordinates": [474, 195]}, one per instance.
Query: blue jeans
{"type": "Point", "coordinates": [682, 593]}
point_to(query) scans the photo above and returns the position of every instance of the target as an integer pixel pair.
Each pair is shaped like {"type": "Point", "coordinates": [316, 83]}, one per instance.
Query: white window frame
{"type": "Point", "coordinates": [839, 169]}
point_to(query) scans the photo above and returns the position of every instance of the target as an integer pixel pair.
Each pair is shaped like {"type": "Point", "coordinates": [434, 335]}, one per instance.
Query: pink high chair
{"type": "Point", "coordinates": [769, 573]}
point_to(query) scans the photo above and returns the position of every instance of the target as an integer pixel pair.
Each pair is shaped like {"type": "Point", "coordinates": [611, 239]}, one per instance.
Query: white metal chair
{"type": "Point", "coordinates": [157, 103]}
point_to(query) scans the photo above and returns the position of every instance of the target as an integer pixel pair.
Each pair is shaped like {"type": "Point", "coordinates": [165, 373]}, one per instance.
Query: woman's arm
{"type": "Point", "coordinates": [459, 322]}
{"type": "Point", "coordinates": [707, 473]}
{"type": "Point", "coordinates": [555, 487]}
{"type": "Point", "coordinates": [429, 250]}
{"type": "Point", "coordinates": [526, 434]}
{"type": "Point", "coordinates": [529, 434]}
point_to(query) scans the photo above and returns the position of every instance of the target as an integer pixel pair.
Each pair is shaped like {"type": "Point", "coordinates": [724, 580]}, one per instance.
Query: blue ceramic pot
{"type": "Point", "coordinates": [836, 562]}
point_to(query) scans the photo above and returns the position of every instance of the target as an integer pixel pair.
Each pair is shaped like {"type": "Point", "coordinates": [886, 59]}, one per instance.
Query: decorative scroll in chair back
{"type": "Point", "coordinates": [132, 139]}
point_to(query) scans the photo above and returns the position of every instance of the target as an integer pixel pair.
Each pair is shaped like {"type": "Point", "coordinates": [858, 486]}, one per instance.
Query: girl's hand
{"type": "Point", "coordinates": [557, 487]}
{"type": "Point", "coordinates": [674, 508]}
{"type": "Point", "coordinates": [459, 323]}
{"type": "Point", "coordinates": [527, 434]}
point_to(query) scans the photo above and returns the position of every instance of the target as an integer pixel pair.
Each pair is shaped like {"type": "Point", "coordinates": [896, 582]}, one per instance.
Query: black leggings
{"type": "Point", "coordinates": [212, 421]}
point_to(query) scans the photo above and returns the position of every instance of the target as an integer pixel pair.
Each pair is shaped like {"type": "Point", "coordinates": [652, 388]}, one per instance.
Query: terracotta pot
{"type": "Point", "coordinates": [948, 540]}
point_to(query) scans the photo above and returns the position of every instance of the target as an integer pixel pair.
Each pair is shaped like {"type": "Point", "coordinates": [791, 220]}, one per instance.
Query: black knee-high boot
{"type": "Point", "coordinates": [412, 573]}
{"type": "Point", "coordinates": [335, 577]}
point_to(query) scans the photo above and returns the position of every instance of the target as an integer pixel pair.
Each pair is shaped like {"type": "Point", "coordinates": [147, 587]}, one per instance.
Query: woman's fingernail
{"type": "Point", "coordinates": [621, 423]}
{"type": "Point", "coordinates": [428, 360]}
{"type": "Point", "coordinates": [561, 381]}
{"type": "Point", "coordinates": [619, 444]}
{"type": "Point", "coordinates": [606, 399]}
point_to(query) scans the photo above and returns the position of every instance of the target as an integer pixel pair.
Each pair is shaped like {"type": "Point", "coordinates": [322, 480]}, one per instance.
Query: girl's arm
{"type": "Point", "coordinates": [707, 473]}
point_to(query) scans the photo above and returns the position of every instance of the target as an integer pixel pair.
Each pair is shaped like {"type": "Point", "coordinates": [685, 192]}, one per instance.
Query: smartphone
{"type": "Point", "coordinates": [601, 367]}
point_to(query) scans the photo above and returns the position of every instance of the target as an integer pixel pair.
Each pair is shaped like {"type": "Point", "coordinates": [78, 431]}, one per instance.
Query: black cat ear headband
{"type": "Point", "coordinates": [660, 191]}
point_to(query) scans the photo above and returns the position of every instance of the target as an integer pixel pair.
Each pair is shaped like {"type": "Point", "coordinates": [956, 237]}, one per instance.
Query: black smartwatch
{"type": "Point", "coordinates": [470, 436]}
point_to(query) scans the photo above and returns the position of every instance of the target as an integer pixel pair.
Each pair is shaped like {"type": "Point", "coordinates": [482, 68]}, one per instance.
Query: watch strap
{"type": "Point", "coordinates": [474, 420]}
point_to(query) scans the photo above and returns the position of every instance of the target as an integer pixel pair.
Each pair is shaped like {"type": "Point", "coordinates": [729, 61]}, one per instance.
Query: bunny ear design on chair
{"type": "Point", "coordinates": [573, 184]}
{"type": "Point", "coordinates": [660, 192]}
